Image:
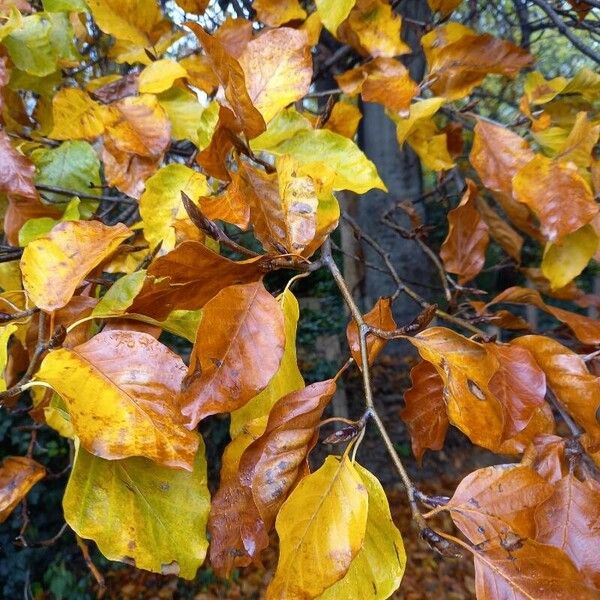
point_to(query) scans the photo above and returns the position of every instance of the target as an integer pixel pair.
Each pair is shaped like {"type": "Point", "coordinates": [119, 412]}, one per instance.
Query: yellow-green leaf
{"type": "Point", "coordinates": [287, 379]}
{"type": "Point", "coordinates": [120, 295]}
{"type": "Point", "coordinates": [564, 260]}
{"type": "Point", "coordinates": [333, 12]}
{"type": "Point", "coordinates": [376, 571]}
{"type": "Point", "coordinates": [121, 389]}
{"type": "Point", "coordinates": [185, 113]}
{"type": "Point", "coordinates": [321, 529]}
{"type": "Point", "coordinates": [55, 264]}
{"type": "Point", "coordinates": [139, 512]}
{"type": "Point", "coordinates": [161, 205]}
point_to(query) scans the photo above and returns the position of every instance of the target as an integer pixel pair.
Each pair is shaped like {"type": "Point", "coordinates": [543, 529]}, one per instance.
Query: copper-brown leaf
{"type": "Point", "coordinates": [568, 377]}
{"type": "Point", "coordinates": [16, 171]}
{"type": "Point", "coordinates": [239, 345]}
{"type": "Point", "coordinates": [231, 77]}
{"type": "Point", "coordinates": [381, 317]}
{"type": "Point", "coordinates": [518, 383]}
{"type": "Point", "coordinates": [18, 474]}
{"type": "Point", "coordinates": [463, 250]}
{"type": "Point", "coordinates": [425, 410]}
{"type": "Point", "coordinates": [570, 520]}
{"type": "Point", "coordinates": [557, 194]}
{"type": "Point", "coordinates": [546, 456]}
{"type": "Point", "coordinates": [188, 277]}
{"type": "Point", "coordinates": [273, 463]}
{"type": "Point", "coordinates": [501, 230]}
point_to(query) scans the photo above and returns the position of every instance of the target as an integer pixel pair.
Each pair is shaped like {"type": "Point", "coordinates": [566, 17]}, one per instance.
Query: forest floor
{"type": "Point", "coordinates": [428, 575]}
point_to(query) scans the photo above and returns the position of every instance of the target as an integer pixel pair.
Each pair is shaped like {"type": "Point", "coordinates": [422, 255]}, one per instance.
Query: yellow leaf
{"type": "Point", "coordinates": [161, 206]}
{"type": "Point", "coordinates": [121, 389]}
{"type": "Point", "coordinates": [5, 333]}
{"type": "Point", "coordinates": [139, 512]}
{"type": "Point", "coordinates": [419, 112]}
{"type": "Point", "coordinates": [344, 119]}
{"type": "Point", "coordinates": [185, 113]}
{"type": "Point", "coordinates": [287, 379]}
{"type": "Point", "coordinates": [540, 90]}
{"type": "Point", "coordinates": [321, 151]}
{"type": "Point", "coordinates": [160, 76]}
{"type": "Point", "coordinates": [129, 20]}
{"type": "Point", "coordinates": [376, 571]}
{"type": "Point", "coordinates": [321, 528]}
{"type": "Point", "coordinates": [333, 12]}
{"type": "Point", "coordinates": [76, 116]}
{"type": "Point", "coordinates": [278, 12]}
{"type": "Point", "coordinates": [54, 265]}
{"type": "Point", "coordinates": [278, 69]}
{"type": "Point", "coordinates": [566, 259]}
{"type": "Point", "coordinates": [432, 148]}
{"type": "Point", "coordinates": [284, 126]}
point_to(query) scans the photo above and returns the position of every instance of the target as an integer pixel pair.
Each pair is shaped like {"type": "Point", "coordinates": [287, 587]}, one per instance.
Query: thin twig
{"type": "Point", "coordinates": [91, 566]}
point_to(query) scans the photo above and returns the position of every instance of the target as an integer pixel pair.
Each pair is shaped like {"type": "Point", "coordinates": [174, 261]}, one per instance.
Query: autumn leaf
{"type": "Point", "coordinates": [54, 265]}
{"type": "Point", "coordinates": [160, 76]}
{"type": "Point", "coordinates": [238, 348]}
{"type": "Point", "coordinates": [271, 465]}
{"type": "Point", "coordinates": [137, 380]}
{"type": "Point", "coordinates": [76, 116]}
{"type": "Point", "coordinates": [16, 171]}
{"type": "Point", "coordinates": [18, 474]}
{"type": "Point", "coordinates": [139, 512]}
{"type": "Point", "coordinates": [377, 569]}
{"type": "Point", "coordinates": [500, 230]}
{"type": "Point", "coordinates": [321, 528]}
{"type": "Point", "coordinates": [425, 410]}
{"type": "Point", "coordinates": [381, 317]}
{"type": "Point", "coordinates": [463, 250]}
{"type": "Point", "coordinates": [344, 119]}
{"type": "Point", "coordinates": [333, 12]}
{"type": "Point", "coordinates": [278, 12]}
{"type": "Point", "coordinates": [277, 66]}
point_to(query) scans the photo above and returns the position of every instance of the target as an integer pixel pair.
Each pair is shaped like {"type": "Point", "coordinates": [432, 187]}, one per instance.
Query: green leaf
{"type": "Point", "coordinates": [322, 152]}
{"type": "Point", "coordinates": [75, 166]}
{"type": "Point", "coordinates": [36, 228]}
{"type": "Point", "coordinates": [376, 571]}
{"type": "Point", "coordinates": [65, 6]}
{"type": "Point", "coordinates": [120, 295]}
{"type": "Point", "coordinates": [139, 512]}
{"type": "Point", "coordinates": [43, 40]}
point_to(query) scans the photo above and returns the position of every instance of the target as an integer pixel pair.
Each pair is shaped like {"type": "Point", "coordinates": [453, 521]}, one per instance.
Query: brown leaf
{"type": "Point", "coordinates": [528, 570]}
{"type": "Point", "coordinates": [570, 520]}
{"type": "Point", "coordinates": [568, 377]}
{"type": "Point", "coordinates": [117, 90]}
{"type": "Point", "coordinates": [519, 384]}
{"type": "Point", "coordinates": [272, 464]}
{"type": "Point", "coordinates": [557, 194]}
{"type": "Point", "coordinates": [497, 501]}
{"type": "Point", "coordinates": [16, 171]}
{"type": "Point", "coordinates": [231, 77]}
{"type": "Point", "coordinates": [459, 59]}
{"type": "Point", "coordinates": [381, 317]}
{"type": "Point", "coordinates": [20, 209]}
{"type": "Point", "coordinates": [463, 250]}
{"type": "Point", "coordinates": [497, 155]}
{"type": "Point", "coordinates": [239, 345]}
{"type": "Point", "coordinates": [18, 474]}
{"type": "Point", "coordinates": [585, 329]}
{"type": "Point", "coordinates": [425, 410]}
{"type": "Point", "coordinates": [501, 231]}
{"type": "Point", "coordinates": [546, 456]}
{"type": "Point", "coordinates": [235, 34]}
{"type": "Point", "coordinates": [188, 277]}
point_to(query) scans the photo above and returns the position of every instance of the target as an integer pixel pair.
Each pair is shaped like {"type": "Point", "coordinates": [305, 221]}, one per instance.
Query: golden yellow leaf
{"type": "Point", "coordinates": [76, 116]}
{"type": "Point", "coordinates": [278, 69]}
{"type": "Point", "coordinates": [344, 119]}
{"type": "Point", "coordinates": [18, 474]}
{"type": "Point", "coordinates": [278, 12]}
{"type": "Point", "coordinates": [161, 206]}
{"type": "Point", "coordinates": [141, 513]}
{"type": "Point", "coordinates": [160, 76]}
{"type": "Point", "coordinates": [566, 259]}
{"type": "Point", "coordinates": [373, 29]}
{"type": "Point", "coordinates": [129, 20]}
{"type": "Point", "coordinates": [333, 12]}
{"type": "Point", "coordinates": [287, 379]}
{"type": "Point", "coordinates": [5, 333]}
{"type": "Point", "coordinates": [121, 389]}
{"type": "Point", "coordinates": [321, 529]}
{"type": "Point", "coordinates": [55, 264]}
{"type": "Point", "coordinates": [376, 571]}
{"type": "Point", "coordinates": [420, 112]}
{"type": "Point", "coordinates": [200, 73]}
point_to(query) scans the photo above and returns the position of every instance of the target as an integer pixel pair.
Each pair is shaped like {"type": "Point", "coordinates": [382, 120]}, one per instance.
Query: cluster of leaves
{"type": "Point", "coordinates": [192, 145]}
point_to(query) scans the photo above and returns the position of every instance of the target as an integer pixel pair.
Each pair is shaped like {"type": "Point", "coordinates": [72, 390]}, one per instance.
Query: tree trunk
{"type": "Point", "coordinates": [400, 169]}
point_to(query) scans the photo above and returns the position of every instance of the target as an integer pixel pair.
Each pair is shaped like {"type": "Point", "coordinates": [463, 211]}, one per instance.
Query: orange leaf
{"type": "Point", "coordinates": [379, 316]}
{"type": "Point", "coordinates": [231, 77]}
{"type": "Point", "coordinates": [188, 277]}
{"type": "Point", "coordinates": [231, 206]}
{"type": "Point", "coordinates": [463, 250]}
{"type": "Point", "coordinates": [278, 12]}
{"type": "Point", "coordinates": [425, 411]}
{"type": "Point", "coordinates": [501, 231]}
{"type": "Point", "coordinates": [557, 194]}
{"type": "Point", "coordinates": [344, 119]}
{"type": "Point", "coordinates": [546, 456]}
{"type": "Point", "coordinates": [238, 348]}
{"type": "Point", "coordinates": [18, 474]}
{"type": "Point", "coordinates": [569, 520]}
{"type": "Point", "coordinates": [273, 463]}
